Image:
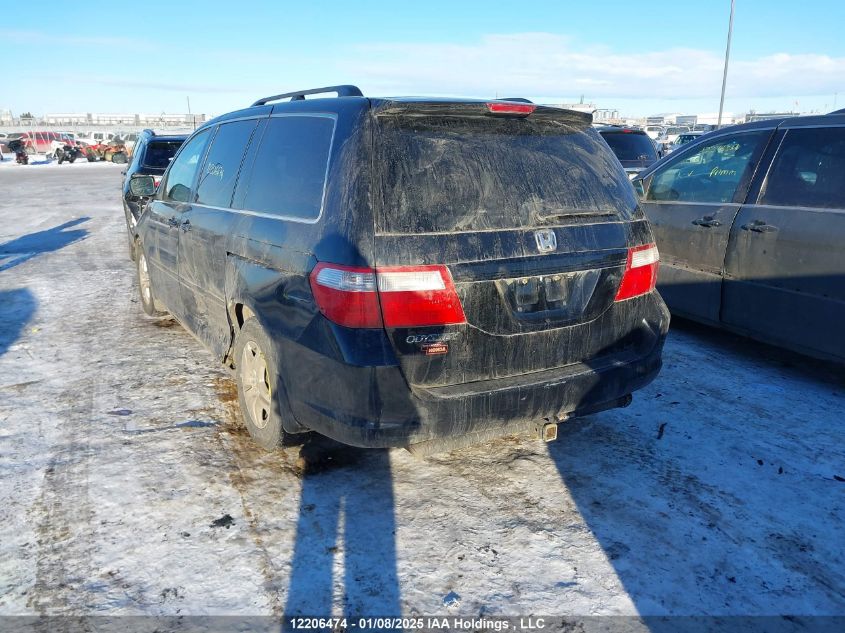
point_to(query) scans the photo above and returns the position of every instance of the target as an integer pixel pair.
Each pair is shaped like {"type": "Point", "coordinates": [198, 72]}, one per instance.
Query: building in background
{"type": "Point", "coordinates": [760, 116]}
{"type": "Point", "coordinates": [118, 119]}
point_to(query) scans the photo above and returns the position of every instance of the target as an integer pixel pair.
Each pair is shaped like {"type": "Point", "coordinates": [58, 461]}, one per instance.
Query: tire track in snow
{"type": "Point", "coordinates": [63, 512]}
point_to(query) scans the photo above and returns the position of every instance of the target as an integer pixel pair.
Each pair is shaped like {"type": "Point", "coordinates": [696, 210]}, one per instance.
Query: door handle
{"type": "Point", "coordinates": [759, 226]}
{"type": "Point", "coordinates": [707, 221]}
{"type": "Point", "coordinates": [172, 222]}
{"type": "Point", "coordinates": [186, 226]}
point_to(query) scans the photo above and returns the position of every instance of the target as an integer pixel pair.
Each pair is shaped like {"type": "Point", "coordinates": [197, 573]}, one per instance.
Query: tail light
{"type": "Point", "coordinates": [407, 296]}
{"type": "Point", "coordinates": [346, 295]}
{"type": "Point", "coordinates": [640, 272]}
{"type": "Point", "coordinates": [156, 181]}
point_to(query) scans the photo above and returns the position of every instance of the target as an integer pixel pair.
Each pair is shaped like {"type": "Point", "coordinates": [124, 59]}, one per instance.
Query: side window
{"type": "Point", "coordinates": [289, 173]}
{"type": "Point", "coordinates": [220, 172]}
{"type": "Point", "coordinates": [184, 168]}
{"type": "Point", "coordinates": [808, 170]}
{"type": "Point", "coordinates": [714, 172]}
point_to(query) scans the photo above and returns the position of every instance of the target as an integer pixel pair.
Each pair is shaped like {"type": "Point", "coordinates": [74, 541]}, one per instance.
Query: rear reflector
{"type": "Point", "coordinates": [523, 109]}
{"type": "Point", "coordinates": [407, 296]}
{"type": "Point", "coordinates": [640, 272]}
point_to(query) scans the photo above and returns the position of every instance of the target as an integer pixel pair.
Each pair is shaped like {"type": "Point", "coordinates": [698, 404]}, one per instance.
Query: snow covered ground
{"type": "Point", "coordinates": [130, 487]}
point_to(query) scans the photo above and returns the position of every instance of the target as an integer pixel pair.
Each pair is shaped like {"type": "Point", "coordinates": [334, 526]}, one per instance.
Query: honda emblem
{"type": "Point", "coordinates": [546, 240]}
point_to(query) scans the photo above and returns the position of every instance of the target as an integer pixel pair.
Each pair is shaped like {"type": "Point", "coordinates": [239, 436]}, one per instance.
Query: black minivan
{"type": "Point", "coordinates": [392, 272]}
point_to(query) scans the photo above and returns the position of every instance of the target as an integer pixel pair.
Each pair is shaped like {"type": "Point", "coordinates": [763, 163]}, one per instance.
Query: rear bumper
{"type": "Point", "coordinates": [374, 407]}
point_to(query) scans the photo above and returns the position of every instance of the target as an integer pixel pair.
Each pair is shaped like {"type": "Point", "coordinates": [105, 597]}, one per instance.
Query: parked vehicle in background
{"type": "Point", "coordinates": [18, 146]}
{"type": "Point", "coordinates": [128, 139]}
{"type": "Point", "coordinates": [634, 149]}
{"type": "Point", "coordinates": [393, 272]}
{"type": "Point", "coordinates": [654, 131]}
{"type": "Point", "coordinates": [95, 138]}
{"type": "Point", "coordinates": [683, 139]}
{"type": "Point", "coordinates": [151, 156]}
{"type": "Point", "coordinates": [38, 142]}
{"type": "Point", "coordinates": [670, 135]}
{"type": "Point", "coordinates": [750, 222]}
{"type": "Point", "coordinates": [69, 151]}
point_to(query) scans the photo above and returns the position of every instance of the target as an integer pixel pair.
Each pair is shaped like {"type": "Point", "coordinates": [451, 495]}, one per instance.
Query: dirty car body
{"type": "Point", "coordinates": [750, 222]}
{"type": "Point", "coordinates": [423, 268]}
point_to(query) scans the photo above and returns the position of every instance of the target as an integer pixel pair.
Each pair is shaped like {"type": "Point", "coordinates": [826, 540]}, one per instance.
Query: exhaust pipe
{"type": "Point", "coordinates": [548, 432]}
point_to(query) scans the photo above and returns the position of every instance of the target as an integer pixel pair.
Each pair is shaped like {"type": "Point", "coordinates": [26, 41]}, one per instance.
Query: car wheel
{"type": "Point", "coordinates": [145, 286]}
{"type": "Point", "coordinates": [119, 158]}
{"type": "Point", "coordinates": [259, 388]}
{"type": "Point", "coordinates": [60, 156]}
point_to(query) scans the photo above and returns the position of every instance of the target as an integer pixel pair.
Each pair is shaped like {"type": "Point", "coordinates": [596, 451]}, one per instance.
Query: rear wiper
{"type": "Point", "coordinates": [574, 213]}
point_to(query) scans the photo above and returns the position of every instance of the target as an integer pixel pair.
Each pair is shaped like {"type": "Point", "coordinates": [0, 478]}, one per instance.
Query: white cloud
{"type": "Point", "coordinates": [548, 64]}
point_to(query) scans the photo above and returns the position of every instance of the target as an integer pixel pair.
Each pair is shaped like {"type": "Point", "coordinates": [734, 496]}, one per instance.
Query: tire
{"type": "Point", "coordinates": [60, 156]}
{"type": "Point", "coordinates": [260, 392]}
{"type": "Point", "coordinates": [145, 286]}
{"type": "Point", "coordinates": [72, 158]}
{"type": "Point", "coordinates": [119, 158]}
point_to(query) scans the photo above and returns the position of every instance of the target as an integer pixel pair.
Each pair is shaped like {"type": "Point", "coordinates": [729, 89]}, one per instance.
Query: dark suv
{"type": "Point", "coordinates": [633, 147]}
{"type": "Point", "coordinates": [151, 155]}
{"type": "Point", "coordinates": [388, 272]}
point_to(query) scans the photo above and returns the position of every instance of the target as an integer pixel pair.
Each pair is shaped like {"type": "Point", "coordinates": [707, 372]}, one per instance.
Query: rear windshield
{"type": "Point", "coordinates": [450, 173]}
{"type": "Point", "coordinates": [628, 146]}
{"type": "Point", "coordinates": [159, 153]}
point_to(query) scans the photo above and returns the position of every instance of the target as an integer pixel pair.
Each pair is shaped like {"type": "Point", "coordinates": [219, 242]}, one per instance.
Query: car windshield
{"type": "Point", "coordinates": [447, 174]}
{"type": "Point", "coordinates": [630, 146]}
{"type": "Point", "coordinates": [677, 130]}
{"type": "Point", "coordinates": [159, 153]}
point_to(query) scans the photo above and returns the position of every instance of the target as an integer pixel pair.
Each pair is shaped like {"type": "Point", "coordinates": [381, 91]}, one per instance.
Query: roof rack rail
{"type": "Point", "coordinates": [299, 95]}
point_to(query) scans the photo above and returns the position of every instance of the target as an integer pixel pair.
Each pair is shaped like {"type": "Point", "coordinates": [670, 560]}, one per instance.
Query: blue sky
{"type": "Point", "coordinates": [642, 58]}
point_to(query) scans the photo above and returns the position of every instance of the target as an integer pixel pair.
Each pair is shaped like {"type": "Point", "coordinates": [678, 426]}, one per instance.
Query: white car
{"type": "Point", "coordinates": [654, 131]}
{"type": "Point", "coordinates": [683, 139]}
{"type": "Point", "coordinates": [94, 138]}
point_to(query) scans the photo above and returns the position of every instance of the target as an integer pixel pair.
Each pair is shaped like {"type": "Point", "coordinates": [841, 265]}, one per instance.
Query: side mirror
{"type": "Point", "coordinates": [143, 186]}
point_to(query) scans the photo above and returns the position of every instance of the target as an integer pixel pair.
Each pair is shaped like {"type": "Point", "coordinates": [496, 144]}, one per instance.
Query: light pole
{"type": "Point", "coordinates": [725, 74]}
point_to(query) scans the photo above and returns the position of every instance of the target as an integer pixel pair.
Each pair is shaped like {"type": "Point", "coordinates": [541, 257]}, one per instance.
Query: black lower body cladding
{"type": "Point", "coordinates": [373, 406]}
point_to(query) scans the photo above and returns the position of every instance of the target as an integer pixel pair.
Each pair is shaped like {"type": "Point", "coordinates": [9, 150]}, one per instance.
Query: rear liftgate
{"type": "Point", "coordinates": [470, 283]}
